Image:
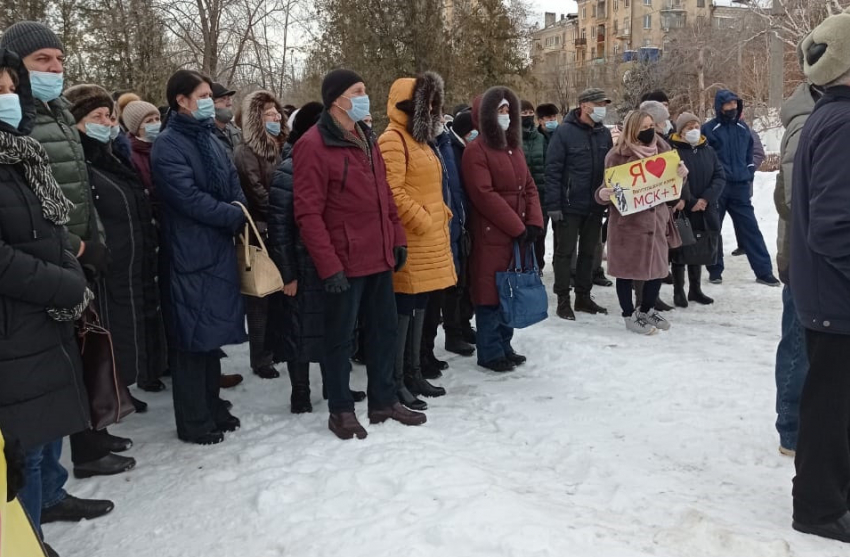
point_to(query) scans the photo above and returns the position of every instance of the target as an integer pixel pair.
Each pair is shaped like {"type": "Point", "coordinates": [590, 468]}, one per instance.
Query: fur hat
{"type": "Point", "coordinates": [827, 50]}
{"type": "Point", "coordinates": [25, 37]}
{"type": "Point", "coordinates": [487, 107]}
{"type": "Point", "coordinates": [684, 119]}
{"type": "Point", "coordinates": [135, 112]}
{"type": "Point", "coordinates": [428, 90]}
{"type": "Point", "coordinates": [87, 97]}
{"type": "Point", "coordinates": [303, 119]}
{"type": "Point", "coordinates": [254, 132]}
{"type": "Point", "coordinates": [462, 124]}
{"type": "Point", "coordinates": [657, 110]}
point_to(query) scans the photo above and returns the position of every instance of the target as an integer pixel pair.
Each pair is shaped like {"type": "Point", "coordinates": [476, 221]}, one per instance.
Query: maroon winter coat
{"type": "Point", "coordinates": [343, 204]}
{"type": "Point", "coordinates": [141, 156]}
{"type": "Point", "coordinates": [502, 193]}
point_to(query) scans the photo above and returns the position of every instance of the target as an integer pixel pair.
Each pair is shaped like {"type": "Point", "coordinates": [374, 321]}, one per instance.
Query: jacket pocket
{"type": "Point", "coordinates": [5, 317]}
{"type": "Point", "coordinates": [344, 175]}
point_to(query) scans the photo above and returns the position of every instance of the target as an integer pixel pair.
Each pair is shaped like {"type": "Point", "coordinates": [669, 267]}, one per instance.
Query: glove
{"type": "Point", "coordinates": [15, 459]}
{"type": "Point", "coordinates": [94, 260]}
{"type": "Point", "coordinates": [521, 239]}
{"type": "Point", "coordinates": [336, 284]}
{"type": "Point", "coordinates": [532, 233]}
{"type": "Point", "coordinates": [400, 254]}
{"type": "Point", "coordinates": [556, 216]}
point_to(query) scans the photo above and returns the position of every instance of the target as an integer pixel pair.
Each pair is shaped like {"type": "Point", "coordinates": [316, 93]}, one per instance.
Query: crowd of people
{"type": "Point", "coordinates": [110, 203]}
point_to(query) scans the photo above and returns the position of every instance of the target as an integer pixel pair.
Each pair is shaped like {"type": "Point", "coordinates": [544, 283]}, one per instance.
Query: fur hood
{"type": "Point", "coordinates": [409, 105]}
{"type": "Point", "coordinates": [485, 116]}
{"type": "Point", "coordinates": [254, 129]}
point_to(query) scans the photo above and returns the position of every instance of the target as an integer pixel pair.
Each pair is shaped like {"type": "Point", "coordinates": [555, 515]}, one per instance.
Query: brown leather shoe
{"type": "Point", "coordinates": [345, 426]}
{"type": "Point", "coordinates": [398, 413]}
{"type": "Point", "coordinates": [230, 381]}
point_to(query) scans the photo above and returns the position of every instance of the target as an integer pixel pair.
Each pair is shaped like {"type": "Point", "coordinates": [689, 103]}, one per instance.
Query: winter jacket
{"type": "Point", "coordinates": [56, 130]}
{"type": "Point", "coordinates": [732, 140]}
{"type": "Point", "coordinates": [415, 175]}
{"type": "Point", "coordinates": [141, 158]}
{"type": "Point", "coordinates": [296, 324]}
{"type": "Point", "coordinates": [575, 166]}
{"type": "Point", "coordinates": [637, 243]}
{"type": "Point", "coordinates": [503, 196]}
{"type": "Point", "coordinates": [230, 138]}
{"type": "Point", "coordinates": [204, 307]}
{"type": "Point", "coordinates": [534, 147]}
{"type": "Point", "coordinates": [457, 200]}
{"type": "Point", "coordinates": [758, 150]}
{"type": "Point", "coordinates": [343, 205]}
{"type": "Point", "coordinates": [820, 217]}
{"type": "Point", "coordinates": [706, 180]}
{"type": "Point", "coordinates": [127, 298]}
{"type": "Point", "coordinates": [794, 113]}
{"type": "Point", "coordinates": [122, 149]}
{"type": "Point", "coordinates": [258, 156]}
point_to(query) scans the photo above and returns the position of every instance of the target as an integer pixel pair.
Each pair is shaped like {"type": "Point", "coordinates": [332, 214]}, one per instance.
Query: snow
{"type": "Point", "coordinates": [605, 444]}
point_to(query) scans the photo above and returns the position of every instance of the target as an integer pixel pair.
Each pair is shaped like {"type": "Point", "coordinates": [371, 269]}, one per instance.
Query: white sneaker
{"type": "Point", "coordinates": [655, 318]}
{"type": "Point", "coordinates": [638, 323]}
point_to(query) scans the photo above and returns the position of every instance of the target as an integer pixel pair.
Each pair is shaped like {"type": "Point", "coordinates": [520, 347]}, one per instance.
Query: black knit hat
{"type": "Point", "coordinates": [306, 118]}
{"type": "Point", "coordinates": [336, 83]}
{"type": "Point", "coordinates": [462, 124]}
{"type": "Point", "coordinates": [546, 110]}
{"type": "Point", "coordinates": [87, 97]}
{"type": "Point", "coordinates": [526, 105]}
{"type": "Point", "coordinates": [25, 37]}
{"type": "Point", "coordinates": [659, 96]}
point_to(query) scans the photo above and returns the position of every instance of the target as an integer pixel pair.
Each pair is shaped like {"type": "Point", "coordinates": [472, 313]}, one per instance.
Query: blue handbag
{"type": "Point", "coordinates": [522, 296]}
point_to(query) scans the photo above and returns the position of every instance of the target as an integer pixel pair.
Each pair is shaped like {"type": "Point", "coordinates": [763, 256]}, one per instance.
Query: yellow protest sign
{"type": "Point", "coordinates": [645, 183]}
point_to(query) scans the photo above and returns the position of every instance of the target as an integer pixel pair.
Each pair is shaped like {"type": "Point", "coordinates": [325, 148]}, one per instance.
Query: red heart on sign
{"type": "Point", "coordinates": [656, 167]}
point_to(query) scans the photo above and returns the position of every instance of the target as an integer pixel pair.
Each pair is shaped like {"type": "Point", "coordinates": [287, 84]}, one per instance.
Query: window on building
{"type": "Point", "coordinates": [593, 53]}
{"type": "Point", "coordinates": [700, 3]}
{"type": "Point", "coordinates": [617, 5]}
{"type": "Point", "coordinates": [616, 28]}
{"type": "Point", "coordinates": [647, 21]}
{"type": "Point", "coordinates": [584, 13]}
{"type": "Point", "coordinates": [584, 34]}
{"type": "Point", "coordinates": [647, 2]}
{"type": "Point", "coordinates": [616, 49]}
{"type": "Point", "coordinates": [627, 3]}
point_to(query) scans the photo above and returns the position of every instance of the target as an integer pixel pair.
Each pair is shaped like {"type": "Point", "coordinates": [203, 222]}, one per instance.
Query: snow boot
{"type": "Point", "coordinates": [502, 365]}
{"type": "Point", "coordinates": [299, 376]}
{"type": "Point", "coordinates": [695, 293]}
{"type": "Point", "coordinates": [680, 299]}
{"type": "Point", "coordinates": [457, 345]}
{"type": "Point", "coordinates": [413, 379]}
{"type": "Point", "coordinates": [585, 304]}
{"type": "Point", "coordinates": [346, 426]}
{"type": "Point", "coordinates": [565, 310]}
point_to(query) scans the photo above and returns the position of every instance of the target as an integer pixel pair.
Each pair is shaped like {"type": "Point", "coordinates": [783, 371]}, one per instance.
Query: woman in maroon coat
{"type": "Point", "coordinates": [505, 208]}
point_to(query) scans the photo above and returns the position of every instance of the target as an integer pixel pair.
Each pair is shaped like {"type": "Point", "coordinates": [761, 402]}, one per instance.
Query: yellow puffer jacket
{"type": "Point", "coordinates": [415, 175]}
{"type": "Point", "coordinates": [17, 537]}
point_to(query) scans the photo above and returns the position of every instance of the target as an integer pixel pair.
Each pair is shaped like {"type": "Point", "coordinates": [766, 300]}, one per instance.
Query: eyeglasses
{"type": "Point", "coordinates": [272, 114]}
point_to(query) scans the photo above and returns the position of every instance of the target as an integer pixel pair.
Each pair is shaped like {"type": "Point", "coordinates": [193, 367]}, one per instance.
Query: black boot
{"type": "Point", "coordinates": [109, 465]}
{"type": "Point", "coordinates": [299, 376]}
{"type": "Point", "coordinates": [679, 297]}
{"type": "Point", "coordinates": [585, 304]}
{"type": "Point", "coordinates": [661, 305]}
{"type": "Point", "coordinates": [695, 293]}
{"type": "Point", "coordinates": [457, 345]}
{"type": "Point", "coordinates": [404, 395]}
{"type": "Point", "coordinates": [413, 379]}
{"type": "Point", "coordinates": [71, 509]}
{"type": "Point", "coordinates": [565, 308]}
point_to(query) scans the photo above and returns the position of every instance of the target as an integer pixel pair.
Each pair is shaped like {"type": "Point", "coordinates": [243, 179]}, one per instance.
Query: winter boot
{"type": "Point", "coordinates": [679, 297]}
{"type": "Point", "coordinates": [661, 305]}
{"type": "Point", "coordinates": [413, 379]}
{"type": "Point", "coordinates": [299, 376]}
{"type": "Point", "coordinates": [431, 367]}
{"type": "Point", "coordinates": [404, 395]}
{"type": "Point", "coordinates": [457, 345]}
{"type": "Point", "coordinates": [585, 304]}
{"type": "Point", "coordinates": [565, 309]}
{"type": "Point", "coordinates": [695, 293]}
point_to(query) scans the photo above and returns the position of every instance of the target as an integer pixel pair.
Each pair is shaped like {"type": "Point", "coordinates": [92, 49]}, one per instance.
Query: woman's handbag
{"type": "Point", "coordinates": [109, 398]}
{"type": "Point", "coordinates": [702, 252]}
{"type": "Point", "coordinates": [522, 296]}
{"type": "Point", "coordinates": [258, 275]}
{"type": "Point", "coordinates": [674, 240]}
{"type": "Point", "coordinates": [686, 231]}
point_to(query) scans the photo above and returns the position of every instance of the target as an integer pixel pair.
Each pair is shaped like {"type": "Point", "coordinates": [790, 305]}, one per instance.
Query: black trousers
{"type": "Point", "coordinates": [433, 318]}
{"type": "Point", "coordinates": [822, 484]}
{"type": "Point", "coordinates": [373, 299]}
{"type": "Point", "coordinates": [195, 386]}
{"type": "Point", "coordinates": [256, 311]}
{"type": "Point", "coordinates": [584, 230]}
{"type": "Point", "coordinates": [625, 288]}
{"type": "Point", "coordinates": [88, 446]}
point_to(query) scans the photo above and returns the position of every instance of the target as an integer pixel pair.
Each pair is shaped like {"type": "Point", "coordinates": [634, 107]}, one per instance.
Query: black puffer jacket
{"type": "Point", "coordinates": [128, 297]}
{"type": "Point", "coordinates": [296, 324]}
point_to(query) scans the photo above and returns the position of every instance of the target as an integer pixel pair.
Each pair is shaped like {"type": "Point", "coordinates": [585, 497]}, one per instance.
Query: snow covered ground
{"type": "Point", "coordinates": [606, 444]}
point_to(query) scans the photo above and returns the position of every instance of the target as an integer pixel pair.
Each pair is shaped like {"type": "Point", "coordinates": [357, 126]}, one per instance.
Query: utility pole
{"type": "Point", "coordinates": [777, 58]}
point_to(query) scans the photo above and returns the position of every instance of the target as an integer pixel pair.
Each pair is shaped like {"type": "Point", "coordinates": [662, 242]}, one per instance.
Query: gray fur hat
{"type": "Point", "coordinates": [826, 50]}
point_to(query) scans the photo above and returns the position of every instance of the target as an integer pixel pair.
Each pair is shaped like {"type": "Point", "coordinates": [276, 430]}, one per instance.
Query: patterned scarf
{"type": "Point", "coordinates": [356, 137]}
{"type": "Point", "coordinates": [218, 180]}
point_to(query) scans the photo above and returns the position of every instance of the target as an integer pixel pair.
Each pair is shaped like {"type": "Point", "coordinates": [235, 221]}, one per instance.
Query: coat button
{"type": "Point", "coordinates": [523, 214]}
{"type": "Point", "coordinates": [826, 323]}
{"type": "Point", "coordinates": [487, 229]}
{"type": "Point", "coordinates": [520, 187]}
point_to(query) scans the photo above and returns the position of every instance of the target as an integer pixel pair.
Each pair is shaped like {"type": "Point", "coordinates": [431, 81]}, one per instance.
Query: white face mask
{"type": "Point", "coordinates": [668, 127]}
{"type": "Point", "coordinates": [504, 121]}
{"type": "Point", "coordinates": [693, 136]}
{"type": "Point", "coordinates": [598, 114]}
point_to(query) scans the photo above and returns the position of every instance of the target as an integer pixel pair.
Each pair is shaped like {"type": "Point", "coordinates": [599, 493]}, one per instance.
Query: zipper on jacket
{"type": "Point", "coordinates": [74, 380]}
{"type": "Point", "coordinates": [344, 174]}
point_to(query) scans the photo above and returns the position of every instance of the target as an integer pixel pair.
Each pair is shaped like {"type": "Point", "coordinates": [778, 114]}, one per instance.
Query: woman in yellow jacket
{"type": "Point", "coordinates": [416, 173]}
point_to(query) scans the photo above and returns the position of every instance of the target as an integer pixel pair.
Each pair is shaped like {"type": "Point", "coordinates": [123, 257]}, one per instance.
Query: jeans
{"type": "Point", "coordinates": [736, 201]}
{"type": "Point", "coordinates": [494, 337]}
{"type": "Point", "coordinates": [586, 230]}
{"type": "Point", "coordinates": [625, 287]}
{"type": "Point", "coordinates": [195, 386]}
{"type": "Point", "coordinates": [792, 365]}
{"type": "Point", "coordinates": [45, 480]}
{"type": "Point", "coordinates": [371, 298]}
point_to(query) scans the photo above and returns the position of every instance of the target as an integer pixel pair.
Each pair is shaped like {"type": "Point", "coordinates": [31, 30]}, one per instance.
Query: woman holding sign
{"type": "Point", "coordinates": [638, 248]}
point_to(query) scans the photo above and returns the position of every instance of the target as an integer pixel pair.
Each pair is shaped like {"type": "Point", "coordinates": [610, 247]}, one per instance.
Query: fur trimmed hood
{"type": "Point", "coordinates": [485, 115]}
{"type": "Point", "coordinates": [254, 129]}
{"type": "Point", "coordinates": [409, 105]}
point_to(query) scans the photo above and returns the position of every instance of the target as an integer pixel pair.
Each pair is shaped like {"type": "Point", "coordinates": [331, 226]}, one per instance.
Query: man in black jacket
{"type": "Point", "coordinates": [820, 283]}
{"type": "Point", "coordinates": [575, 168]}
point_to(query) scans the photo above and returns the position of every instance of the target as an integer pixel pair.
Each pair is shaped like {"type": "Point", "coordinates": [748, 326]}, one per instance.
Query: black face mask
{"type": "Point", "coordinates": [646, 136]}
{"type": "Point", "coordinates": [528, 121]}
{"type": "Point", "coordinates": [732, 113]}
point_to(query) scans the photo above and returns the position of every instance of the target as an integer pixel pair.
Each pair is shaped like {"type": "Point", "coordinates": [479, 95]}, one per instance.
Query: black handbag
{"type": "Point", "coordinates": [702, 252]}
{"type": "Point", "coordinates": [686, 231]}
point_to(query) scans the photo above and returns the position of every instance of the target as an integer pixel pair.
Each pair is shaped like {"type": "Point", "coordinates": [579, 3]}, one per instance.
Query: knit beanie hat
{"type": "Point", "coordinates": [25, 37]}
{"type": "Point", "coordinates": [827, 50]}
{"type": "Point", "coordinates": [657, 110]}
{"type": "Point", "coordinates": [135, 112]}
{"type": "Point", "coordinates": [684, 119]}
{"type": "Point", "coordinates": [336, 83]}
{"type": "Point", "coordinates": [87, 97]}
{"type": "Point", "coordinates": [463, 124]}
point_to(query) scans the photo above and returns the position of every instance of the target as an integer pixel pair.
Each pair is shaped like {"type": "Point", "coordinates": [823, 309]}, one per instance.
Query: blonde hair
{"type": "Point", "coordinates": [631, 126]}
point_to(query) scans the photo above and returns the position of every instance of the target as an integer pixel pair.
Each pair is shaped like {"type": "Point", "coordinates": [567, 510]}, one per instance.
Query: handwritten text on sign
{"type": "Point", "coordinates": [645, 183]}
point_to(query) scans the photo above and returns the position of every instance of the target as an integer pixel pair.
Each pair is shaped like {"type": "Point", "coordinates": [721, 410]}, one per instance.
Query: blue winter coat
{"type": "Point", "coordinates": [732, 140]}
{"type": "Point", "coordinates": [457, 201]}
{"type": "Point", "coordinates": [204, 308]}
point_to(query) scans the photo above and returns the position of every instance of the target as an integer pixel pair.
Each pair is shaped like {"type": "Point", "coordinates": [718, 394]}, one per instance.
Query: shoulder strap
{"type": "Point", "coordinates": [404, 143]}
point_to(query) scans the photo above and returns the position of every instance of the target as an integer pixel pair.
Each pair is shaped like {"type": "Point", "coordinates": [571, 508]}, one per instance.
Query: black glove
{"type": "Point", "coordinates": [532, 233]}
{"type": "Point", "coordinates": [95, 260]}
{"type": "Point", "coordinates": [400, 254]}
{"type": "Point", "coordinates": [521, 238]}
{"type": "Point", "coordinates": [336, 284]}
{"type": "Point", "coordinates": [15, 464]}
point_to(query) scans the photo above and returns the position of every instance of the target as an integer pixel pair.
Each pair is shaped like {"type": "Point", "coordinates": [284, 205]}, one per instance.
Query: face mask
{"type": "Point", "coordinates": [359, 108]}
{"type": "Point", "coordinates": [668, 127]}
{"type": "Point", "coordinates": [598, 114]}
{"type": "Point", "coordinates": [551, 125]}
{"type": "Point", "coordinates": [504, 121]}
{"type": "Point", "coordinates": [99, 132]}
{"type": "Point", "coordinates": [223, 115]}
{"type": "Point", "coordinates": [732, 113]}
{"type": "Point", "coordinates": [273, 128]}
{"type": "Point", "coordinates": [114, 131]}
{"type": "Point", "coordinates": [206, 109]}
{"type": "Point", "coordinates": [46, 86]}
{"type": "Point", "coordinates": [646, 136]}
{"type": "Point", "coordinates": [693, 136]}
{"type": "Point", "coordinates": [10, 109]}
{"type": "Point", "coordinates": [528, 122]}
{"type": "Point", "coordinates": [470, 137]}
{"type": "Point", "coordinates": [151, 131]}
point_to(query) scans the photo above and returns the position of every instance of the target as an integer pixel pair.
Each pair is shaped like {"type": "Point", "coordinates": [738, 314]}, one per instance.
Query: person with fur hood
{"type": "Point", "coordinates": [505, 208]}
{"type": "Point", "coordinates": [415, 174]}
{"type": "Point", "coordinates": [256, 159]}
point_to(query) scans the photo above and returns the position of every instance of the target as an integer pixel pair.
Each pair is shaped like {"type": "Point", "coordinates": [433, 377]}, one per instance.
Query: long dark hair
{"type": "Point", "coordinates": [182, 82]}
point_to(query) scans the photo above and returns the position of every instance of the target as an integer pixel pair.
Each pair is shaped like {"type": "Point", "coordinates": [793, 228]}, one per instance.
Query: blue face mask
{"type": "Point", "coordinates": [99, 132]}
{"type": "Point", "coordinates": [471, 136]}
{"type": "Point", "coordinates": [273, 128]}
{"type": "Point", "coordinates": [359, 108]}
{"type": "Point", "coordinates": [46, 86]}
{"type": "Point", "coordinates": [151, 131]}
{"type": "Point", "coordinates": [10, 109]}
{"type": "Point", "coordinates": [551, 125]}
{"type": "Point", "coordinates": [114, 131]}
{"type": "Point", "coordinates": [206, 109]}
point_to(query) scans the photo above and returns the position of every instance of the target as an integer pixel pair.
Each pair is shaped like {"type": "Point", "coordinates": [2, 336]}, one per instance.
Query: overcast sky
{"type": "Point", "coordinates": [557, 6]}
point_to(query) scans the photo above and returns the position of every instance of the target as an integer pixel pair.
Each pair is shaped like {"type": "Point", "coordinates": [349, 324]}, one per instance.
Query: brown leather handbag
{"type": "Point", "coordinates": [109, 398]}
